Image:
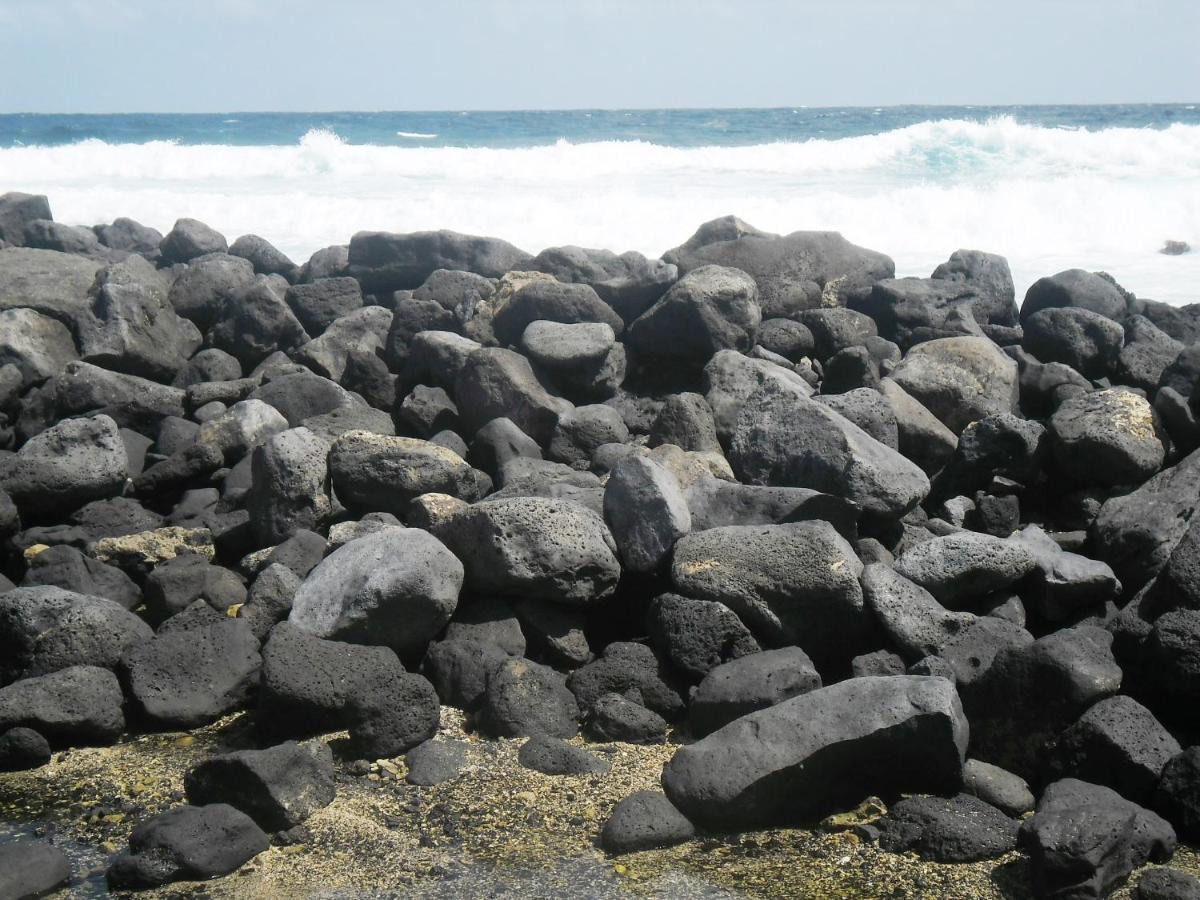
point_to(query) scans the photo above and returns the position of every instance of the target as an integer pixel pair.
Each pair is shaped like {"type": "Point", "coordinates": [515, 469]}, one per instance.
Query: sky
{"type": "Point", "coordinates": [321, 55]}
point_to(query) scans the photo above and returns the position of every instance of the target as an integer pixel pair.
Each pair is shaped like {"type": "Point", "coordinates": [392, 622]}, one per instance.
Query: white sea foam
{"type": "Point", "coordinates": [1046, 198]}
{"type": "Point", "coordinates": [416, 135]}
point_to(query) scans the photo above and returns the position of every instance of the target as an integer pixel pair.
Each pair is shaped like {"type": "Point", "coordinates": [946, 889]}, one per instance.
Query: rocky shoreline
{"type": "Point", "coordinates": [430, 567]}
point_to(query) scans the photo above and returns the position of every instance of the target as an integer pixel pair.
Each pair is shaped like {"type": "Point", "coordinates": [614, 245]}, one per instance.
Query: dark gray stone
{"type": "Point", "coordinates": [384, 262]}
{"type": "Point", "coordinates": [278, 787]}
{"type": "Point", "coordinates": [957, 829]}
{"type": "Point", "coordinates": [1086, 341]}
{"type": "Point", "coordinates": [635, 672]}
{"type": "Point", "coordinates": [191, 677]}
{"type": "Point", "coordinates": [1085, 838]}
{"type": "Point", "coordinates": [524, 698]}
{"type": "Point", "coordinates": [965, 566]}
{"type": "Point", "coordinates": [535, 547]}
{"type": "Point", "coordinates": [747, 684]}
{"type": "Point", "coordinates": [188, 239]}
{"type": "Point", "coordinates": [822, 751]}
{"type": "Point", "coordinates": [44, 629]}
{"type": "Point", "coordinates": [613, 718]}
{"type": "Point", "coordinates": [792, 584]}
{"type": "Point", "coordinates": [435, 762]}
{"type": "Point", "coordinates": [21, 749]}
{"type": "Point", "coordinates": [82, 704]}
{"type": "Point", "coordinates": [1117, 743]}
{"type": "Point", "coordinates": [697, 635]}
{"type": "Point", "coordinates": [392, 714]}
{"type": "Point", "coordinates": [644, 821]}
{"type": "Point", "coordinates": [29, 868]}
{"type": "Point", "coordinates": [711, 308]}
{"type": "Point", "coordinates": [802, 270]}
{"type": "Point", "coordinates": [397, 587]}
{"type": "Point", "coordinates": [1075, 289]}
{"type": "Point", "coordinates": [1002, 789]}
{"type": "Point", "coordinates": [191, 843]}
{"type": "Point", "coordinates": [554, 756]}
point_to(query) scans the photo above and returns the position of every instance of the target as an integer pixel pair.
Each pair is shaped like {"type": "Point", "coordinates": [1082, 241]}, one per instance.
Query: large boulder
{"type": "Point", "coordinates": [45, 629]}
{"type": "Point", "coordinates": [1086, 341]}
{"type": "Point", "coordinates": [1031, 692]}
{"type": "Point", "coordinates": [384, 262]}
{"type": "Point", "coordinates": [360, 331]}
{"type": "Point", "coordinates": [731, 378]}
{"type": "Point", "coordinates": [254, 323]}
{"type": "Point", "coordinates": [289, 490]}
{"type": "Point", "coordinates": [381, 473]}
{"type": "Point", "coordinates": [1085, 838]}
{"type": "Point", "coordinates": [189, 239]}
{"type": "Point", "coordinates": [802, 270]}
{"type": "Point", "coordinates": [79, 705]}
{"type": "Point", "coordinates": [524, 698]}
{"type": "Point", "coordinates": [39, 346]}
{"type": "Point", "coordinates": [207, 285]}
{"type": "Point", "coordinates": [916, 624]}
{"type": "Point", "coordinates": [191, 843]}
{"type": "Point", "coordinates": [307, 682]}
{"type": "Point", "coordinates": [646, 512]}
{"type": "Point", "coordinates": [644, 821]}
{"type": "Point", "coordinates": [1075, 289]}
{"type": "Point", "coordinates": [48, 282]}
{"type": "Point", "coordinates": [132, 326]}
{"type": "Point", "coordinates": [32, 869]}
{"type": "Point", "coordinates": [957, 829]}
{"type": "Point", "coordinates": [965, 566]}
{"type": "Point", "coordinates": [710, 309]}
{"type": "Point", "coordinates": [1114, 430]}
{"type": "Point", "coordinates": [266, 258]}
{"type": "Point", "coordinates": [535, 547]}
{"type": "Point", "coordinates": [496, 383]}
{"type": "Point", "coordinates": [189, 677]}
{"type": "Point", "coordinates": [823, 751]}
{"type": "Point", "coordinates": [1117, 743]}
{"type": "Point", "coordinates": [959, 379]}
{"type": "Point", "coordinates": [792, 584]}
{"type": "Point", "coordinates": [551, 301]}
{"type": "Point", "coordinates": [392, 714]}
{"type": "Point", "coordinates": [66, 466]}
{"type": "Point", "coordinates": [629, 283]}
{"type": "Point", "coordinates": [278, 787]}
{"type": "Point", "coordinates": [783, 438]}
{"type": "Point", "coordinates": [63, 566]}
{"type": "Point", "coordinates": [17, 210]}
{"type": "Point", "coordinates": [747, 684]}
{"type": "Point", "coordinates": [397, 588]}
{"type": "Point", "coordinates": [697, 635]}
{"type": "Point", "coordinates": [1136, 533]}
{"type": "Point", "coordinates": [320, 304]}
{"type": "Point", "coordinates": [585, 360]}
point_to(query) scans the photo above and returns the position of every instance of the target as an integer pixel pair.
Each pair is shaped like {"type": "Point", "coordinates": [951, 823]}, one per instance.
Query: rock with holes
{"type": "Point", "coordinates": [535, 547]}
{"type": "Point", "coordinates": [278, 787]}
{"type": "Point", "coordinates": [397, 588]}
{"type": "Point", "coordinates": [792, 584]}
{"type": "Point", "coordinates": [1085, 838]}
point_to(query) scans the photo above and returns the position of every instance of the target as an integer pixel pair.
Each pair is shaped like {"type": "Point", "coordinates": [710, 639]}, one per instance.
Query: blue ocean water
{"type": "Point", "coordinates": [1050, 187]}
{"type": "Point", "coordinates": [531, 128]}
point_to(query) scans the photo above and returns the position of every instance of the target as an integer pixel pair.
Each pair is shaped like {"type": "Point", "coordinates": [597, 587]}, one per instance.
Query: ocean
{"type": "Point", "coordinates": [1050, 187]}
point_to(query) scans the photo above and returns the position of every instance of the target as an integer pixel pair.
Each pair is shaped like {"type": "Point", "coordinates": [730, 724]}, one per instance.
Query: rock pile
{"type": "Point", "coordinates": [841, 535]}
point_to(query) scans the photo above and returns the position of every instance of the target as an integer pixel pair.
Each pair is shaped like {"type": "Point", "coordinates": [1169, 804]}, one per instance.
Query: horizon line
{"type": "Point", "coordinates": [566, 109]}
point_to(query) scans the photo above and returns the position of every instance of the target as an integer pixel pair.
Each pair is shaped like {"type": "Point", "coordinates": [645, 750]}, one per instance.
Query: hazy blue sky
{"type": "Point", "coordinates": [224, 55]}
